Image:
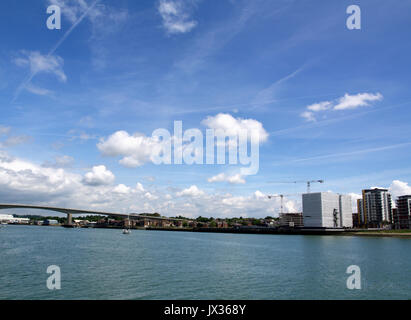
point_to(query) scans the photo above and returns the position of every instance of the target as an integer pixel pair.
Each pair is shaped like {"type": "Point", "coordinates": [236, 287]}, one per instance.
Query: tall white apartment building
{"type": "Point", "coordinates": [327, 210]}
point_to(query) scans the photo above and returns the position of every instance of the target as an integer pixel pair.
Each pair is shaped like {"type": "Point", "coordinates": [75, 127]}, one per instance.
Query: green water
{"type": "Point", "coordinates": [105, 264]}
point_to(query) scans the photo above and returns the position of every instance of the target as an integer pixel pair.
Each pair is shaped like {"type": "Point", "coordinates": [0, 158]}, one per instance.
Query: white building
{"type": "Point", "coordinates": [8, 218]}
{"type": "Point", "coordinates": [327, 210]}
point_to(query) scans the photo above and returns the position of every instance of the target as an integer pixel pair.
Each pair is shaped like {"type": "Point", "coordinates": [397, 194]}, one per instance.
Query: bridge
{"type": "Point", "coordinates": [71, 212]}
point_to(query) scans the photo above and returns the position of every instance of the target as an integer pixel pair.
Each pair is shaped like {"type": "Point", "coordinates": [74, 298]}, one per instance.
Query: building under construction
{"type": "Point", "coordinates": [291, 220]}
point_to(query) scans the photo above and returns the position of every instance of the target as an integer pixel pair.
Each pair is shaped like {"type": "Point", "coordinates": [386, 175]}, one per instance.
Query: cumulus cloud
{"type": "Point", "coordinates": [99, 175]}
{"type": "Point", "coordinates": [344, 103]}
{"type": "Point", "coordinates": [176, 16]}
{"type": "Point", "coordinates": [308, 116]}
{"type": "Point", "coordinates": [136, 149]}
{"type": "Point", "coordinates": [38, 63]}
{"type": "Point", "coordinates": [399, 188]}
{"type": "Point", "coordinates": [122, 189]}
{"type": "Point", "coordinates": [354, 198]}
{"type": "Point", "coordinates": [140, 187]}
{"type": "Point", "coordinates": [20, 178]}
{"type": "Point", "coordinates": [193, 191]}
{"type": "Point", "coordinates": [22, 181]}
{"type": "Point", "coordinates": [222, 177]}
{"type": "Point", "coordinates": [234, 126]}
{"type": "Point", "coordinates": [358, 100]}
{"type": "Point", "coordinates": [320, 106]}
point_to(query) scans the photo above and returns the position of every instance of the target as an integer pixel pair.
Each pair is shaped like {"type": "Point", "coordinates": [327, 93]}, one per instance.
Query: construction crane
{"type": "Point", "coordinates": [282, 199]}
{"type": "Point", "coordinates": [307, 182]}
{"type": "Point", "coordinates": [312, 181]}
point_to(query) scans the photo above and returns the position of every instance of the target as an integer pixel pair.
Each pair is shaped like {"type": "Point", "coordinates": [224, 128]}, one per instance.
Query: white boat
{"type": "Point", "coordinates": [127, 231]}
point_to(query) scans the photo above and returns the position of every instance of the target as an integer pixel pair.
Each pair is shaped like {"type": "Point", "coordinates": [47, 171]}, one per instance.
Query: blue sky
{"type": "Point", "coordinates": [334, 102]}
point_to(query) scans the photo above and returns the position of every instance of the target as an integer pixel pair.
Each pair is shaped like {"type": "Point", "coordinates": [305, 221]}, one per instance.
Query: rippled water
{"type": "Point", "coordinates": [105, 264]}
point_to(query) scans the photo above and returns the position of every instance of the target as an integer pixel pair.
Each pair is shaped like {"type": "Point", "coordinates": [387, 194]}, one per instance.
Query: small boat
{"type": "Point", "coordinates": [127, 231]}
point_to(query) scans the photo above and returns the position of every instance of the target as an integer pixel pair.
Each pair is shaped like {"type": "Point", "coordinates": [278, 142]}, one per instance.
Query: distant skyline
{"type": "Point", "coordinates": [79, 104]}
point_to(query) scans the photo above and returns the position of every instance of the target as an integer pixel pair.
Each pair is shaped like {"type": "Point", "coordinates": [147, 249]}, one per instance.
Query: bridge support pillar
{"type": "Point", "coordinates": [69, 219]}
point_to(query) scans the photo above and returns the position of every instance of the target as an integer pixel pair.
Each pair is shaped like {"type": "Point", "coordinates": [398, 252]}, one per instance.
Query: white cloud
{"type": "Point", "coordinates": [222, 177]}
{"type": "Point", "coordinates": [39, 63]}
{"type": "Point", "coordinates": [12, 140]}
{"type": "Point", "coordinates": [37, 90]}
{"type": "Point", "coordinates": [358, 100]}
{"type": "Point", "coordinates": [320, 106]}
{"type": "Point", "coordinates": [176, 16]}
{"type": "Point", "coordinates": [139, 187]}
{"type": "Point", "coordinates": [259, 195]}
{"type": "Point", "coordinates": [234, 126]}
{"type": "Point", "coordinates": [4, 130]}
{"type": "Point", "coordinates": [99, 176]}
{"type": "Point", "coordinates": [136, 149]}
{"type": "Point", "coordinates": [354, 198]}
{"type": "Point", "coordinates": [399, 188]}
{"type": "Point", "coordinates": [309, 116]}
{"type": "Point", "coordinates": [15, 140]}
{"type": "Point", "coordinates": [343, 103]}
{"type": "Point", "coordinates": [193, 191]}
{"type": "Point", "coordinates": [22, 181]}
{"type": "Point", "coordinates": [122, 189]}
{"type": "Point", "coordinates": [150, 196]}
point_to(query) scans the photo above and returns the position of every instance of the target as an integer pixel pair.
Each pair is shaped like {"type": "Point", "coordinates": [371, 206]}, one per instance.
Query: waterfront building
{"type": "Point", "coordinates": [6, 218]}
{"type": "Point", "coordinates": [50, 222]}
{"type": "Point", "coordinates": [293, 220]}
{"type": "Point", "coordinates": [376, 207]}
{"type": "Point", "coordinates": [360, 210]}
{"type": "Point", "coordinates": [402, 214]}
{"type": "Point", "coordinates": [355, 220]}
{"type": "Point", "coordinates": [327, 210]}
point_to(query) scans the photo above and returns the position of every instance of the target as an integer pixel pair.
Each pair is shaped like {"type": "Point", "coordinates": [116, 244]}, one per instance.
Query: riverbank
{"type": "Point", "coordinates": [302, 231]}
{"type": "Point", "coordinates": [267, 231]}
{"type": "Point", "coordinates": [383, 233]}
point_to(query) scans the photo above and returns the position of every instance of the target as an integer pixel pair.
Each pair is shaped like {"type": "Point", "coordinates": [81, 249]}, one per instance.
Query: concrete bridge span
{"type": "Point", "coordinates": [70, 212]}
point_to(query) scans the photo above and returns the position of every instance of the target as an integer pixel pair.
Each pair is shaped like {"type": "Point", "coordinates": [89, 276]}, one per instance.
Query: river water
{"type": "Point", "coordinates": [105, 264]}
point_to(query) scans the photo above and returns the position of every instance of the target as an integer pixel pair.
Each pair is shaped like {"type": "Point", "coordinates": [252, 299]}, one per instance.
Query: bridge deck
{"type": "Point", "coordinates": [79, 211]}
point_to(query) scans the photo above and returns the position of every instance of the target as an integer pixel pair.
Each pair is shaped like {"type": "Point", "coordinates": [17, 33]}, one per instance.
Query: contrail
{"type": "Point", "coordinates": [53, 50]}
{"type": "Point", "coordinates": [347, 154]}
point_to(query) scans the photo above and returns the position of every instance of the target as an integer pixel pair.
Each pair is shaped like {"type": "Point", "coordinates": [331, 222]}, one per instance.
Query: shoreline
{"type": "Point", "coordinates": [265, 231]}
